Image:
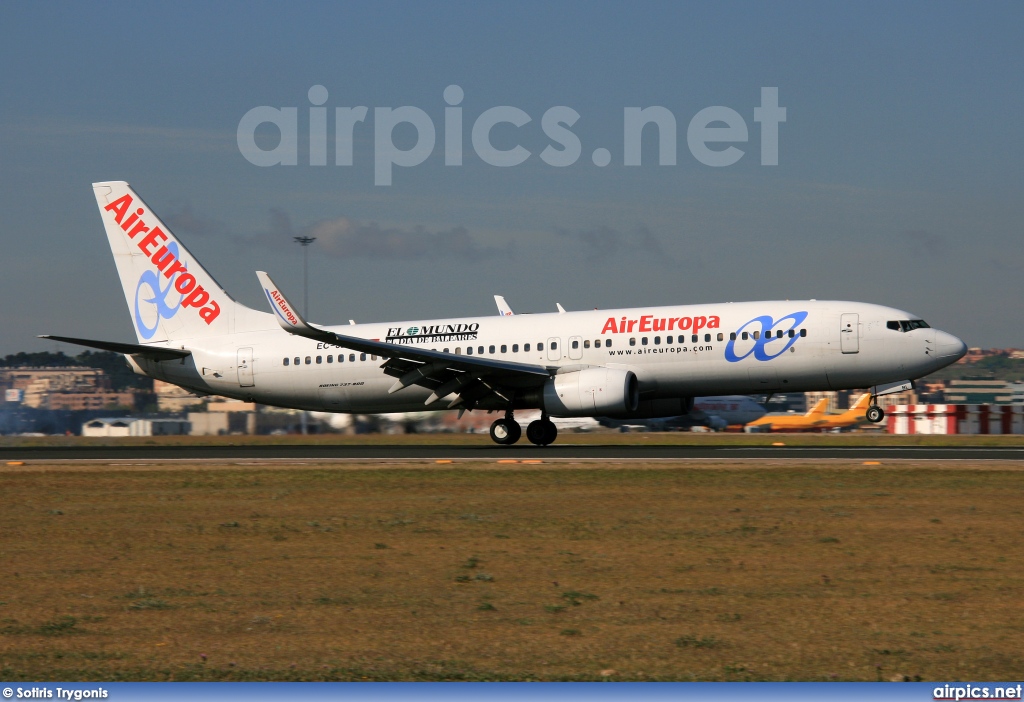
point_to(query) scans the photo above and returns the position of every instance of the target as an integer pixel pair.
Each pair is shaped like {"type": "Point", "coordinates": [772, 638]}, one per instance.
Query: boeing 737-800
{"type": "Point", "coordinates": [624, 363]}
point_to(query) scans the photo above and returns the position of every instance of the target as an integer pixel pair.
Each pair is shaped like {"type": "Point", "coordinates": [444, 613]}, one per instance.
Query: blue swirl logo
{"type": "Point", "coordinates": [766, 332]}
{"type": "Point", "coordinates": [157, 298]}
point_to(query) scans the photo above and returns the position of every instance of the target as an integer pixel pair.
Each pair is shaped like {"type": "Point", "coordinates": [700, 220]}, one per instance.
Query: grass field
{"type": "Point", "coordinates": [757, 570]}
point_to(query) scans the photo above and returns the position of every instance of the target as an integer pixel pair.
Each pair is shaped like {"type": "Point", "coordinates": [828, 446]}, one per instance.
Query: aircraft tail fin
{"type": "Point", "coordinates": [169, 294]}
{"type": "Point", "coordinates": [862, 403]}
{"type": "Point", "coordinates": [819, 407]}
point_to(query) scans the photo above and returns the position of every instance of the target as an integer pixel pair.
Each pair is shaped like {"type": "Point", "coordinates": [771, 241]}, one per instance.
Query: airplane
{"type": "Point", "coordinates": [788, 421]}
{"type": "Point", "coordinates": [713, 412]}
{"type": "Point", "coordinates": [817, 419]}
{"type": "Point", "coordinates": [634, 363]}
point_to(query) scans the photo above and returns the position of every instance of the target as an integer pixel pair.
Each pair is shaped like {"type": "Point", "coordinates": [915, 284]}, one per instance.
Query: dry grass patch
{"type": "Point", "coordinates": [689, 572]}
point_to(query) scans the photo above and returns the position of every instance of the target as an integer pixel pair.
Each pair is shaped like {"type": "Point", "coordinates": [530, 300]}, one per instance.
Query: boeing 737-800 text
{"type": "Point", "coordinates": [621, 363]}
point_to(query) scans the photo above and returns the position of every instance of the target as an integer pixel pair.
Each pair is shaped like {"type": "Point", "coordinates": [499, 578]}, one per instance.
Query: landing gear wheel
{"type": "Point", "coordinates": [875, 414]}
{"type": "Point", "coordinates": [505, 431]}
{"type": "Point", "coordinates": [542, 432]}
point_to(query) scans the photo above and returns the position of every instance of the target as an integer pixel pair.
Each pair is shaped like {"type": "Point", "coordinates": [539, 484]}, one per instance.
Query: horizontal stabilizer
{"type": "Point", "coordinates": [156, 353]}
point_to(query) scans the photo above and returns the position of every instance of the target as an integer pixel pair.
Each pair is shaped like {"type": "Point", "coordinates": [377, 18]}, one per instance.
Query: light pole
{"type": "Point", "coordinates": [305, 241]}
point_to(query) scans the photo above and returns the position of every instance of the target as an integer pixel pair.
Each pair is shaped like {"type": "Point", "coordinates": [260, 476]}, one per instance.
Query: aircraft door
{"type": "Point", "coordinates": [575, 347]}
{"type": "Point", "coordinates": [245, 368]}
{"type": "Point", "coordinates": [849, 331]}
{"type": "Point", "coordinates": [554, 349]}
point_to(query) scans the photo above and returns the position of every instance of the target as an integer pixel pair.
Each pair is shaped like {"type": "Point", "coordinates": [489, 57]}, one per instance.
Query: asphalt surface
{"type": "Point", "coordinates": [565, 451]}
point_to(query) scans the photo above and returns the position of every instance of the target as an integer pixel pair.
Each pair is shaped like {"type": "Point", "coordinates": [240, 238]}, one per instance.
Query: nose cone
{"type": "Point", "coordinates": [948, 347]}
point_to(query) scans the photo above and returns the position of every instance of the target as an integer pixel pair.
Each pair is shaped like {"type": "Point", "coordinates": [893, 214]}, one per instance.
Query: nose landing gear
{"type": "Point", "coordinates": [874, 413]}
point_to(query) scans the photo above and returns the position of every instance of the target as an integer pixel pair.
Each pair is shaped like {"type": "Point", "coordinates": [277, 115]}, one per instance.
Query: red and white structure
{"type": "Point", "coordinates": [955, 419]}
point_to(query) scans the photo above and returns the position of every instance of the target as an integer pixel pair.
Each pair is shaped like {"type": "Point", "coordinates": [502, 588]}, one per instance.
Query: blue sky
{"type": "Point", "coordinates": [899, 179]}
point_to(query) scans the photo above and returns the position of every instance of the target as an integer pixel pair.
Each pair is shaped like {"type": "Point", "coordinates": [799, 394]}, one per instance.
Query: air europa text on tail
{"type": "Point", "coordinates": [193, 294]}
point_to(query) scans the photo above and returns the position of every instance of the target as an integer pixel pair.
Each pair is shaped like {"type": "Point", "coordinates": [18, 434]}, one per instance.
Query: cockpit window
{"type": "Point", "coordinates": [905, 325]}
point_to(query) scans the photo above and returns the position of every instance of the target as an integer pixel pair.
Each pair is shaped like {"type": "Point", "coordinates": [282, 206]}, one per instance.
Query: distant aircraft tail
{"type": "Point", "coordinates": [819, 407]}
{"type": "Point", "coordinates": [169, 294]}
{"type": "Point", "coordinates": [862, 403]}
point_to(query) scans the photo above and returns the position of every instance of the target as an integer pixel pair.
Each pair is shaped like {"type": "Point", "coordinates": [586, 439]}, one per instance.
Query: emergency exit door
{"type": "Point", "coordinates": [849, 332]}
{"type": "Point", "coordinates": [245, 368]}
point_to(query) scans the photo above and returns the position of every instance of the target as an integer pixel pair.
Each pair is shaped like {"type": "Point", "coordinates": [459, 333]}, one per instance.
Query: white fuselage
{"type": "Point", "coordinates": [824, 345]}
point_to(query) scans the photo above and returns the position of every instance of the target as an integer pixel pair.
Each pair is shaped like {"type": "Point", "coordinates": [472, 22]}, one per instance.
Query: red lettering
{"type": "Point", "coordinates": [150, 240]}
{"type": "Point", "coordinates": [163, 257]}
{"type": "Point", "coordinates": [128, 222]}
{"type": "Point", "coordinates": [671, 323]}
{"type": "Point", "coordinates": [659, 324]}
{"type": "Point", "coordinates": [609, 326]}
{"type": "Point", "coordinates": [137, 229]}
{"type": "Point", "coordinates": [197, 298]}
{"type": "Point", "coordinates": [119, 207]}
{"type": "Point", "coordinates": [185, 283]}
{"type": "Point", "coordinates": [174, 268]}
{"type": "Point", "coordinates": [684, 323]}
{"type": "Point", "coordinates": [699, 323]}
{"type": "Point", "coordinates": [210, 313]}
{"type": "Point", "coordinates": [632, 323]}
{"type": "Point", "coordinates": [645, 323]}
{"type": "Point", "coordinates": [713, 322]}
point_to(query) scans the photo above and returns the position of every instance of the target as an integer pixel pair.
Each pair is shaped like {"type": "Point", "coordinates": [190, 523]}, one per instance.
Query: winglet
{"type": "Point", "coordinates": [561, 310]}
{"type": "Point", "coordinates": [285, 313]}
{"type": "Point", "coordinates": [503, 308]}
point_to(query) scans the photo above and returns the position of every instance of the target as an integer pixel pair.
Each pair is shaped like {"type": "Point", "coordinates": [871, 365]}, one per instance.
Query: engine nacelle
{"type": "Point", "coordinates": [592, 392]}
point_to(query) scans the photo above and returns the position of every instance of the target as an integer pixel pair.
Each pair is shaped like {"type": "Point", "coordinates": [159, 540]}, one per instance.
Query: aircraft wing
{"type": "Point", "coordinates": [471, 378]}
{"type": "Point", "coordinates": [156, 353]}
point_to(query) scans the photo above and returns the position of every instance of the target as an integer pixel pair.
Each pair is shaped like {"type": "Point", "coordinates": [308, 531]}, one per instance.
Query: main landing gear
{"type": "Point", "coordinates": [542, 431]}
{"type": "Point", "coordinates": [506, 431]}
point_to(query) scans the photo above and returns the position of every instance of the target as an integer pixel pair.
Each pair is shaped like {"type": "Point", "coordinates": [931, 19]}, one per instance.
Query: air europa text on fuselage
{"type": "Point", "coordinates": [193, 294]}
{"type": "Point", "coordinates": [650, 323]}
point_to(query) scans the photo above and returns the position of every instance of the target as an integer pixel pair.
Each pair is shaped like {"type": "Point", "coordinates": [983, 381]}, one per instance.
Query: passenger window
{"type": "Point", "coordinates": [721, 337]}
{"type": "Point", "coordinates": [586, 343]}
{"type": "Point", "coordinates": [330, 358]}
{"type": "Point", "coordinates": [446, 350]}
{"type": "Point", "coordinates": [554, 345]}
{"type": "Point", "coordinates": [362, 357]}
{"type": "Point", "coordinates": [791, 333]}
{"type": "Point", "coordinates": [632, 341]}
{"type": "Point", "coordinates": [319, 359]}
{"type": "Point", "coordinates": [458, 350]}
{"type": "Point", "coordinates": [693, 338]}
{"type": "Point", "coordinates": [297, 360]}
{"type": "Point", "coordinates": [490, 349]}
{"type": "Point", "coordinates": [707, 337]}
{"type": "Point", "coordinates": [803, 332]}
{"type": "Point", "coordinates": [576, 344]}
{"type": "Point", "coordinates": [308, 360]}
{"type": "Point", "coordinates": [504, 349]}
{"type": "Point", "coordinates": [668, 339]}
{"type": "Point", "coordinates": [778, 335]}
{"type": "Point", "coordinates": [657, 340]}
{"type": "Point", "coordinates": [469, 350]}
{"type": "Point", "coordinates": [643, 341]}
{"type": "Point", "coordinates": [480, 350]}
{"type": "Point", "coordinates": [745, 336]}
{"type": "Point", "coordinates": [286, 361]}
{"type": "Point", "coordinates": [352, 358]}
{"type": "Point", "coordinates": [607, 343]}
{"type": "Point", "coordinates": [373, 357]}
{"type": "Point", "coordinates": [757, 335]}
{"type": "Point", "coordinates": [540, 347]}
{"type": "Point", "coordinates": [515, 348]}
{"type": "Point", "coordinates": [526, 348]}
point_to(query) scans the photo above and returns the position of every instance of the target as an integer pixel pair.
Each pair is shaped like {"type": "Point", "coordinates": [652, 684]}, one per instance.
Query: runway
{"type": "Point", "coordinates": [557, 452]}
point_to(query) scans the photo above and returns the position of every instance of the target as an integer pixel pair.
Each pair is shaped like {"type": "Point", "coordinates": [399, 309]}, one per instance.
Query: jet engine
{"type": "Point", "coordinates": [592, 392]}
